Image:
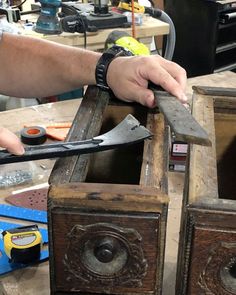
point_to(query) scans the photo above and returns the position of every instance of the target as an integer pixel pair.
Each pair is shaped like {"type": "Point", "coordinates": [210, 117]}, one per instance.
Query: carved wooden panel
{"type": "Point", "coordinates": [207, 249]}
{"type": "Point", "coordinates": [101, 252]}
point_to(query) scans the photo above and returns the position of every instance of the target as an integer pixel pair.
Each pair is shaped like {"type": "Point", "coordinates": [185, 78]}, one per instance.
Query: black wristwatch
{"type": "Point", "coordinates": [104, 62]}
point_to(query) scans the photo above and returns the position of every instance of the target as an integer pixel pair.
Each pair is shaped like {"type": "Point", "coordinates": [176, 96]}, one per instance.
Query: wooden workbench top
{"type": "Point", "coordinates": [35, 279]}
{"type": "Point", "coordinates": [95, 41]}
{"type": "Point", "coordinates": [39, 115]}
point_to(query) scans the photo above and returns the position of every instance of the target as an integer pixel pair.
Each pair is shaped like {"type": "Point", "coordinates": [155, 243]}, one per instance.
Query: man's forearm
{"type": "Point", "coordinates": [41, 68]}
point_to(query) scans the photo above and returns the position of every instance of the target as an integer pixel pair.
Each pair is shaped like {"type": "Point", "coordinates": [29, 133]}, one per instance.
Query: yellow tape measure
{"type": "Point", "coordinates": [22, 244]}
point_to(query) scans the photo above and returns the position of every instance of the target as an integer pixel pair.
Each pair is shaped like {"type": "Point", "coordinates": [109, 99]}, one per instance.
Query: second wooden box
{"type": "Point", "coordinates": [207, 249]}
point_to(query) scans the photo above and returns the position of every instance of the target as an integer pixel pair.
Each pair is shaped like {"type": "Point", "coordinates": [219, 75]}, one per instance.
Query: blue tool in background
{"type": "Point", "coordinates": [23, 213]}
{"type": "Point", "coordinates": [48, 22]}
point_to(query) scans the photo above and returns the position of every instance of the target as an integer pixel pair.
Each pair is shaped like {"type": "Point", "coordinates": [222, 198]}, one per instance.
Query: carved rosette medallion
{"type": "Point", "coordinates": [106, 255]}
{"type": "Point", "coordinates": [219, 274]}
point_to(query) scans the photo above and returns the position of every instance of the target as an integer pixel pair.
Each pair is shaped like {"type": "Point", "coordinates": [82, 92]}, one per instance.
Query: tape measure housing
{"type": "Point", "coordinates": [22, 244]}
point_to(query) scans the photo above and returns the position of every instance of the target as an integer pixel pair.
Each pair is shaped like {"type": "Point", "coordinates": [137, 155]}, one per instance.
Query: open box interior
{"type": "Point", "coordinates": [225, 132]}
{"type": "Point", "coordinates": [122, 165]}
{"type": "Point", "coordinates": [211, 169]}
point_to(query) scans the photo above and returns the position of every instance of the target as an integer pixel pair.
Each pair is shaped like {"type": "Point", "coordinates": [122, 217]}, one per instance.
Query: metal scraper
{"type": "Point", "coordinates": [182, 123]}
{"type": "Point", "coordinates": [127, 132]}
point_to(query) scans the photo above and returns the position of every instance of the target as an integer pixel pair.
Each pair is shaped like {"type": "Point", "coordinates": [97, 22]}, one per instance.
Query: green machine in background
{"type": "Point", "coordinates": [123, 39]}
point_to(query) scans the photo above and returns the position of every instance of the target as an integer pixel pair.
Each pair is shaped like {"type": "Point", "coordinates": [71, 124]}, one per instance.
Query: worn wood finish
{"type": "Point", "coordinates": [226, 97]}
{"type": "Point", "coordinates": [108, 212]}
{"type": "Point", "coordinates": [207, 248]}
{"type": "Point", "coordinates": [91, 110]}
{"type": "Point", "coordinates": [182, 123]}
{"type": "Point", "coordinates": [218, 91]}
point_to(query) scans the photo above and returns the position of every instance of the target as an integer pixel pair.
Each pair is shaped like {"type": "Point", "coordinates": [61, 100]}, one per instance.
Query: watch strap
{"type": "Point", "coordinates": [104, 62]}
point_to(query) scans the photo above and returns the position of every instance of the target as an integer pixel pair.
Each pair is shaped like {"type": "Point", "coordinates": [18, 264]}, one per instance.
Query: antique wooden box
{"type": "Point", "coordinates": [108, 210]}
{"type": "Point", "coordinates": [207, 248]}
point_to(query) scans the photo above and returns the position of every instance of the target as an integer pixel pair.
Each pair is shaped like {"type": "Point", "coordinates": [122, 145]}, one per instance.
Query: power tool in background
{"type": "Point", "coordinates": [12, 12]}
{"type": "Point", "coordinates": [72, 23]}
{"type": "Point", "coordinates": [99, 17]}
{"type": "Point", "coordinates": [80, 22]}
{"type": "Point", "coordinates": [123, 39]}
{"type": "Point", "coordinates": [48, 22]}
{"type": "Point", "coordinates": [126, 5]}
{"type": "Point", "coordinates": [96, 16]}
{"type": "Point", "coordinates": [103, 18]}
{"type": "Point", "coordinates": [22, 244]}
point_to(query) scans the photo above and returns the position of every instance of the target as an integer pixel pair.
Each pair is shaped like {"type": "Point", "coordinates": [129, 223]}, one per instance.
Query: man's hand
{"type": "Point", "coordinates": [128, 77]}
{"type": "Point", "coordinates": [11, 142]}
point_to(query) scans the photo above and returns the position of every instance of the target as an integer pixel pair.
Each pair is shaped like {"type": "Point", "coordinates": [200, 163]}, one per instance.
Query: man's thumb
{"type": "Point", "coordinates": [11, 142]}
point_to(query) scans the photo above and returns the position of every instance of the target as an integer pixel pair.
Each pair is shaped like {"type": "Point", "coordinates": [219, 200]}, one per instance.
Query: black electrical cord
{"type": "Point", "coordinates": [152, 3]}
{"type": "Point", "coordinates": [19, 5]}
{"type": "Point", "coordinates": [85, 33]}
{"type": "Point", "coordinates": [157, 50]}
{"type": "Point", "coordinates": [170, 40]}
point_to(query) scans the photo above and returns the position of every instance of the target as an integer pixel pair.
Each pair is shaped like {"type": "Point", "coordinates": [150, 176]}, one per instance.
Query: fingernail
{"type": "Point", "coordinates": [153, 104]}
{"type": "Point", "coordinates": [184, 98]}
{"type": "Point", "coordinates": [150, 100]}
{"type": "Point", "coordinates": [19, 151]}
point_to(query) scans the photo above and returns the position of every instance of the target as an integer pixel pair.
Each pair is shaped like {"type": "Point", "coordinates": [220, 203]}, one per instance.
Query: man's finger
{"type": "Point", "coordinates": [144, 96]}
{"type": "Point", "coordinates": [177, 72]}
{"type": "Point", "coordinates": [167, 82]}
{"type": "Point", "coordinates": [11, 142]}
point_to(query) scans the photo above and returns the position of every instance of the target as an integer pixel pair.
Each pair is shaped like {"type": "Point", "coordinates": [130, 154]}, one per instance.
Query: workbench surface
{"type": "Point", "coordinates": [96, 40]}
{"type": "Point", "coordinates": [35, 279]}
